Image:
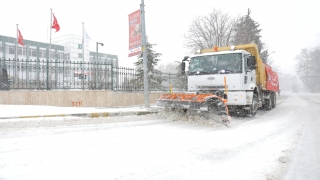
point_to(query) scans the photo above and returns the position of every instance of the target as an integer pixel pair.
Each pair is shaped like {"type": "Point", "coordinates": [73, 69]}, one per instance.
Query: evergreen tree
{"type": "Point", "coordinates": [247, 32]}
{"type": "Point", "coordinates": [181, 80]}
{"type": "Point", "coordinates": [155, 77]}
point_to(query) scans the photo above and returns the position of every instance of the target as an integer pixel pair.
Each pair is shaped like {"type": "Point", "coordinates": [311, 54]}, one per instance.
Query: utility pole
{"type": "Point", "coordinates": [145, 60]}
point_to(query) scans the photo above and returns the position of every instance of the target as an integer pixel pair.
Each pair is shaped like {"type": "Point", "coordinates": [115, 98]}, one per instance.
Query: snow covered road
{"type": "Point", "coordinates": [283, 143]}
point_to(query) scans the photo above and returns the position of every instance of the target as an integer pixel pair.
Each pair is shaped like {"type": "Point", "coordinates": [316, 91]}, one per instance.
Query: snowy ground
{"type": "Point", "coordinates": [283, 143]}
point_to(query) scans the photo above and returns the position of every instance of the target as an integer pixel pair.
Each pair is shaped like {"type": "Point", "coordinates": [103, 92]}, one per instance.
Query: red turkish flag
{"type": "Point", "coordinates": [55, 24]}
{"type": "Point", "coordinates": [20, 38]}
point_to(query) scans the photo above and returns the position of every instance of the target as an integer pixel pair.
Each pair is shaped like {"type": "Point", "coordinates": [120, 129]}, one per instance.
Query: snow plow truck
{"type": "Point", "coordinates": [225, 81]}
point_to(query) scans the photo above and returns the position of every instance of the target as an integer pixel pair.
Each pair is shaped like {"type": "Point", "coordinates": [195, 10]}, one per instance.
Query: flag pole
{"type": "Point", "coordinates": [16, 59]}
{"type": "Point", "coordinates": [49, 50]}
{"type": "Point", "coordinates": [82, 72]}
{"type": "Point", "coordinates": [16, 55]}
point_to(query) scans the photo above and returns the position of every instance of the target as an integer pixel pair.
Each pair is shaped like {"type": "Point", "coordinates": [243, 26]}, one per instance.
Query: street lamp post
{"type": "Point", "coordinates": [97, 55]}
{"type": "Point", "coordinates": [144, 55]}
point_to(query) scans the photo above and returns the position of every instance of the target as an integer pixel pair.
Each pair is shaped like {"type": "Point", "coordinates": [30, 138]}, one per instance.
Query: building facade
{"type": "Point", "coordinates": [70, 64]}
{"type": "Point", "coordinates": [67, 48]}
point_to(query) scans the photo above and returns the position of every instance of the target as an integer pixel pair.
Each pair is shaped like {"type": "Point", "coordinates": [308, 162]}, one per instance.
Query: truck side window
{"type": "Point", "coordinates": [246, 58]}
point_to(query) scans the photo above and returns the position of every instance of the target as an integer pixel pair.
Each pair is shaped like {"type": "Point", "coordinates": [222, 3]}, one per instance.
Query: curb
{"type": "Point", "coordinates": [91, 115]}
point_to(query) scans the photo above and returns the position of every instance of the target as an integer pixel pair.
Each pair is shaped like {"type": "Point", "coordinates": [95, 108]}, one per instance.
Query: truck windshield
{"type": "Point", "coordinates": [213, 64]}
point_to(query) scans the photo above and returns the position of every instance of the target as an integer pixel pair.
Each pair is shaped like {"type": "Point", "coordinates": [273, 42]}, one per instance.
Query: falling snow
{"type": "Point", "coordinates": [279, 144]}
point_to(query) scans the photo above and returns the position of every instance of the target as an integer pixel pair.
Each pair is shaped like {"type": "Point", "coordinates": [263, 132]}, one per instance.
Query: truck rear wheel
{"type": "Point", "coordinates": [274, 100]}
{"type": "Point", "coordinates": [268, 105]}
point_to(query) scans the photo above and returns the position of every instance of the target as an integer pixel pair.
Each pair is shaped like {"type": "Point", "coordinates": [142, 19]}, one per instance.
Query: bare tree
{"type": "Point", "coordinates": [308, 68]}
{"type": "Point", "coordinates": [215, 29]}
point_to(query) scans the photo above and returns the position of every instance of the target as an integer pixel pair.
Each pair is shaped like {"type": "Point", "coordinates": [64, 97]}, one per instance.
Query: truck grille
{"type": "Point", "coordinates": [211, 87]}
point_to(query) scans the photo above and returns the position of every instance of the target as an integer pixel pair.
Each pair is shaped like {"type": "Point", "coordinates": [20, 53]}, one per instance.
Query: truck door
{"type": "Point", "coordinates": [248, 73]}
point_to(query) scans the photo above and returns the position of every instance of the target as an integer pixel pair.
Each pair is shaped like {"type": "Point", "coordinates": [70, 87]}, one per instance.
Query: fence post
{"type": "Point", "coordinates": [96, 66]}
{"type": "Point", "coordinates": [48, 73]}
{"type": "Point", "coordinates": [55, 74]}
{"type": "Point", "coordinates": [21, 70]}
{"type": "Point", "coordinates": [106, 75]}
{"type": "Point", "coordinates": [112, 76]}
{"type": "Point", "coordinates": [62, 74]}
{"type": "Point", "coordinates": [82, 72]}
{"type": "Point", "coordinates": [27, 74]}
{"type": "Point", "coordinates": [15, 72]}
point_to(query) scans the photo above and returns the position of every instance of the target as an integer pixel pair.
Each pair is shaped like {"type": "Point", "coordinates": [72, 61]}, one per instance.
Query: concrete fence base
{"type": "Point", "coordinates": [76, 98]}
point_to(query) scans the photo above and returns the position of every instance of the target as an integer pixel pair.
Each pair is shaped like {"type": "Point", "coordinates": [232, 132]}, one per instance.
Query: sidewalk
{"type": "Point", "coordinates": [34, 111]}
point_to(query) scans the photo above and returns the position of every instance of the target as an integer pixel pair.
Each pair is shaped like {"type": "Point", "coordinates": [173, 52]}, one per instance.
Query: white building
{"type": "Point", "coordinates": [67, 48]}
{"type": "Point", "coordinates": [34, 65]}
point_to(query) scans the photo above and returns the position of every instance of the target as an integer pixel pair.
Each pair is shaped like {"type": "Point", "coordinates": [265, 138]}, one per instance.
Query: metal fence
{"type": "Point", "coordinates": [55, 75]}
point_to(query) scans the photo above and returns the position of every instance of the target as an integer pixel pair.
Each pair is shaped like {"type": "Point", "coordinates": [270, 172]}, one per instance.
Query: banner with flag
{"type": "Point", "coordinates": [20, 38]}
{"type": "Point", "coordinates": [55, 24]}
{"type": "Point", "coordinates": [86, 36]}
{"type": "Point", "coordinates": [134, 34]}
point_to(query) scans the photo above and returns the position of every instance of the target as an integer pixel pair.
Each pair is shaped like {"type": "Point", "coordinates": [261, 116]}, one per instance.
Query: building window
{"type": "Point", "coordinates": [11, 49]}
{"type": "Point", "coordinates": [32, 52]}
{"type": "Point", "coordinates": [22, 51]}
{"type": "Point", "coordinates": [114, 62]}
{"type": "Point", "coordinates": [0, 47]}
{"type": "Point", "coordinates": [108, 61]}
{"type": "Point", "coordinates": [59, 55]}
{"type": "Point", "coordinates": [67, 56]}
{"type": "Point", "coordinates": [19, 50]}
{"type": "Point", "coordinates": [80, 55]}
{"type": "Point", "coordinates": [42, 53]}
{"type": "Point", "coordinates": [52, 55]}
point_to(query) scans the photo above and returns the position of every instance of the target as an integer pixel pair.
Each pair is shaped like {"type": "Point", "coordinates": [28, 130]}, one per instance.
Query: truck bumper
{"type": "Point", "coordinates": [239, 98]}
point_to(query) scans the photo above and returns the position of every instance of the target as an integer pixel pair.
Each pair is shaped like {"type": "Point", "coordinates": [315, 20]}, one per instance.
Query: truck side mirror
{"type": "Point", "coordinates": [183, 68]}
{"type": "Point", "coordinates": [185, 58]}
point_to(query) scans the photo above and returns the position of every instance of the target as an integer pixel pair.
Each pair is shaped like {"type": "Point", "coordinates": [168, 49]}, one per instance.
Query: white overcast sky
{"type": "Point", "coordinates": [287, 25]}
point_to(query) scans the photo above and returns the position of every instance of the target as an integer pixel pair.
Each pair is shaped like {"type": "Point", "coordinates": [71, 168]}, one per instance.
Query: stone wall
{"type": "Point", "coordinates": [75, 98]}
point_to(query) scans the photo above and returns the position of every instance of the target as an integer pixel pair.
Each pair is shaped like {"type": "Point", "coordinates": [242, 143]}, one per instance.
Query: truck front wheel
{"type": "Point", "coordinates": [254, 106]}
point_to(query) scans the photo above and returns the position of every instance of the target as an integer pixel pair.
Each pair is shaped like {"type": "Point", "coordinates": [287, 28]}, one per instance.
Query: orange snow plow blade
{"type": "Point", "coordinates": [204, 102]}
